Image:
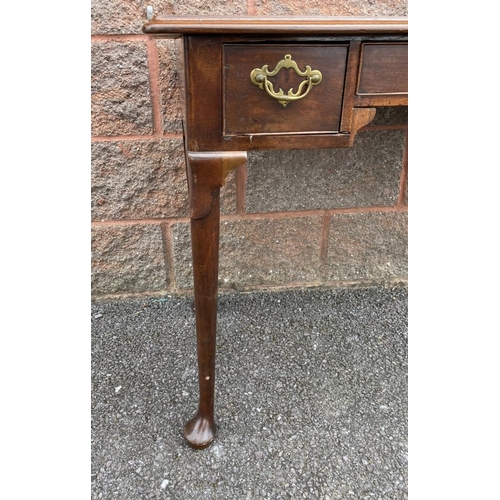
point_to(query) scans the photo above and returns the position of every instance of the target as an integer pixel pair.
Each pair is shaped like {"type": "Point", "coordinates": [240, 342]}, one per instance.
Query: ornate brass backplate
{"type": "Point", "coordinates": [259, 77]}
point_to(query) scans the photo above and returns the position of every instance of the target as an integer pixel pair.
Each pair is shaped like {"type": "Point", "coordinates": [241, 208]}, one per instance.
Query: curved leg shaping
{"type": "Point", "coordinates": [206, 172]}
{"type": "Point", "coordinates": [199, 431]}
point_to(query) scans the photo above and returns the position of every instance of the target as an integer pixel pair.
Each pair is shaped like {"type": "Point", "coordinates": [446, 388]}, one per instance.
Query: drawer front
{"type": "Point", "coordinates": [384, 69]}
{"type": "Point", "coordinates": [250, 108]}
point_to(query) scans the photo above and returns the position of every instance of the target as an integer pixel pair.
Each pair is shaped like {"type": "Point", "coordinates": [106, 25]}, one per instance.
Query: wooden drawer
{"type": "Point", "coordinates": [249, 109]}
{"type": "Point", "coordinates": [383, 69]}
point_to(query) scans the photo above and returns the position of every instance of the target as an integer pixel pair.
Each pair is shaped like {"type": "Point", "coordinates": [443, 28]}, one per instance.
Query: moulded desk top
{"type": "Point", "coordinates": [319, 25]}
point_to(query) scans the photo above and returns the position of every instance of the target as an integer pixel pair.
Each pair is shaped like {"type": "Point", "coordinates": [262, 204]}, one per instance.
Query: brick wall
{"type": "Point", "coordinates": [334, 217]}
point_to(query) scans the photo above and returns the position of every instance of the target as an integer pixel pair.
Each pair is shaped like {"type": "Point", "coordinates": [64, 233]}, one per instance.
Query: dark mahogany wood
{"type": "Point", "coordinates": [363, 62]}
{"type": "Point", "coordinates": [168, 26]}
{"type": "Point", "coordinates": [384, 69]}
{"type": "Point", "coordinates": [247, 112]}
{"type": "Point", "coordinates": [206, 175]}
{"type": "Point", "coordinates": [383, 75]}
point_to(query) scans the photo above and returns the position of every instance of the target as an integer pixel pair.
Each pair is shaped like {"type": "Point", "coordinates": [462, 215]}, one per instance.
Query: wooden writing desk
{"type": "Point", "coordinates": [268, 83]}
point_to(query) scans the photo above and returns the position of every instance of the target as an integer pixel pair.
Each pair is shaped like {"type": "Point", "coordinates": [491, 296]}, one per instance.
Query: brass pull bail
{"type": "Point", "coordinates": [259, 77]}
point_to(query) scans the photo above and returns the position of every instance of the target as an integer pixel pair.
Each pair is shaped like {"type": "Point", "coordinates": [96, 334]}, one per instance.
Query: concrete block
{"type": "Point", "coordinates": [127, 259]}
{"type": "Point", "coordinates": [257, 252]}
{"type": "Point", "coordinates": [121, 100]}
{"type": "Point", "coordinates": [368, 174]}
{"type": "Point", "coordinates": [368, 246]}
{"type": "Point", "coordinates": [139, 180]}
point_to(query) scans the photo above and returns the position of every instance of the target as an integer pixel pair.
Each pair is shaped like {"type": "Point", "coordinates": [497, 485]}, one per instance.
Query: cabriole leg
{"type": "Point", "coordinates": [206, 174]}
{"type": "Point", "coordinates": [200, 430]}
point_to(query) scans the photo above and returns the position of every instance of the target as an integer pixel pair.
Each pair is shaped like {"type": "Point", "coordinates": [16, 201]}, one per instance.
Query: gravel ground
{"type": "Point", "coordinates": [311, 397]}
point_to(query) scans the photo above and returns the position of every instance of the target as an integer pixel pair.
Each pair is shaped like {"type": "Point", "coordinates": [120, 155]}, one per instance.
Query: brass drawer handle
{"type": "Point", "coordinates": [259, 78]}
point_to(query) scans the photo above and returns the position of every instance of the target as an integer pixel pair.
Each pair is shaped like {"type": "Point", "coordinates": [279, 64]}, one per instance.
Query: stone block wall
{"type": "Point", "coordinates": [335, 217]}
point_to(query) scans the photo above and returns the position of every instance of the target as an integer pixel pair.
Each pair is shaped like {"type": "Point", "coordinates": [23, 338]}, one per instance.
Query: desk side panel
{"type": "Point", "coordinates": [203, 60]}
